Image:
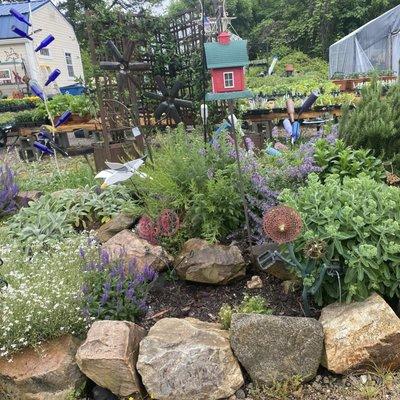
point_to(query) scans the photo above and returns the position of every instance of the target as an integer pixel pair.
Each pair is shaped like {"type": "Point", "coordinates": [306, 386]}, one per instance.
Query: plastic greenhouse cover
{"type": "Point", "coordinates": [374, 45]}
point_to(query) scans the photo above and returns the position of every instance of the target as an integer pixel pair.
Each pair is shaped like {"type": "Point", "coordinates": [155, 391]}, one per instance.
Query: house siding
{"type": "Point", "coordinates": [6, 63]}
{"type": "Point", "coordinates": [218, 80]}
{"type": "Point", "coordinates": [52, 22]}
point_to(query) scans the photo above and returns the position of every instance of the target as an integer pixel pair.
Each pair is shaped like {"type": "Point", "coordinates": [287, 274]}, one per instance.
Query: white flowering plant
{"type": "Point", "coordinates": [42, 300]}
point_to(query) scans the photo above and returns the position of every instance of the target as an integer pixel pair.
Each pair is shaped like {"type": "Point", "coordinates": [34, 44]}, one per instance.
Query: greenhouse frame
{"type": "Point", "coordinates": [376, 45]}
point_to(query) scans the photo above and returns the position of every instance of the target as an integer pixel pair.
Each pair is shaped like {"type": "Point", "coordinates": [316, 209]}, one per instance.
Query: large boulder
{"type": "Point", "coordinates": [187, 359]}
{"type": "Point", "coordinates": [130, 246]}
{"type": "Point", "coordinates": [203, 262]}
{"type": "Point", "coordinates": [117, 224]}
{"type": "Point", "coordinates": [109, 354]}
{"type": "Point", "coordinates": [47, 373]}
{"type": "Point", "coordinates": [272, 348]}
{"type": "Point", "coordinates": [361, 335]}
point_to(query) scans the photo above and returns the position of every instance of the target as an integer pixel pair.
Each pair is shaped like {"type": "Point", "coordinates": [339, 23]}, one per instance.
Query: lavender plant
{"type": "Point", "coordinates": [115, 290]}
{"type": "Point", "coordinates": [8, 191]}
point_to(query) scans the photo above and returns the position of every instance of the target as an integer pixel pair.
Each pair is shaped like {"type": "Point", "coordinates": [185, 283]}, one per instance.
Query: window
{"type": "Point", "coordinates": [228, 80]}
{"type": "Point", "coordinates": [5, 77]}
{"type": "Point", "coordinates": [70, 66]}
{"type": "Point", "coordinates": [45, 52]}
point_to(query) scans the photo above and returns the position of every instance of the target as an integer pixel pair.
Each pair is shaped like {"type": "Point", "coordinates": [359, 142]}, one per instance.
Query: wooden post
{"type": "Point", "coordinates": [240, 174]}
{"type": "Point", "coordinates": [92, 46]}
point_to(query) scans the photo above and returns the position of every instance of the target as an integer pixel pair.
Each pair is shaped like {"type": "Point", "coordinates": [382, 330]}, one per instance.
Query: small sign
{"type": "Point", "coordinates": [136, 131]}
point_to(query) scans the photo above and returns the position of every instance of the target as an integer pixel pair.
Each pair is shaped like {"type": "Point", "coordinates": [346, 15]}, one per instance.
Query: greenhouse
{"type": "Point", "coordinates": [376, 45]}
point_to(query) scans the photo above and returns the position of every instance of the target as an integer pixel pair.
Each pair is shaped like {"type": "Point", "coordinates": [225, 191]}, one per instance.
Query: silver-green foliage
{"type": "Point", "coordinates": [54, 216]}
{"type": "Point", "coordinates": [359, 220]}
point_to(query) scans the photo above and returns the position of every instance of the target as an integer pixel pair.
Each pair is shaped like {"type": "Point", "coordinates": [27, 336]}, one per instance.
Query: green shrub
{"type": "Point", "coordinates": [199, 183]}
{"type": "Point", "coordinates": [41, 300]}
{"type": "Point", "coordinates": [344, 161]}
{"type": "Point", "coordinates": [375, 123]}
{"type": "Point", "coordinates": [249, 305]}
{"type": "Point", "coordinates": [359, 222]}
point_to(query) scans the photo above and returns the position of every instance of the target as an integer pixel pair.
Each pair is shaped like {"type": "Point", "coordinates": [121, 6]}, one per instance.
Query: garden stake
{"type": "Point", "coordinates": [240, 175]}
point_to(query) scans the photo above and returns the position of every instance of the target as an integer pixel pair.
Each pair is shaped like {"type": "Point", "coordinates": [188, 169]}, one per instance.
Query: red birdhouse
{"type": "Point", "coordinates": [227, 59]}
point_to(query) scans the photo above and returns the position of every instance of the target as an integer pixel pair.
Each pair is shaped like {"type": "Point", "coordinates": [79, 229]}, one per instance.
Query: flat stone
{"type": "Point", "coordinates": [360, 336]}
{"type": "Point", "coordinates": [272, 348]}
{"type": "Point", "coordinates": [114, 226]}
{"type": "Point", "coordinates": [187, 359]}
{"type": "Point", "coordinates": [215, 264]}
{"type": "Point", "coordinates": [109, 354]}
{"type": "Point", "coordinates": [131, 246]}
{"type": "Point", "coordinates": [48, 373]}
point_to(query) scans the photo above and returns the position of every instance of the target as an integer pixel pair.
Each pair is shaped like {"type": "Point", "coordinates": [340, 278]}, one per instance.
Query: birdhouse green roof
{"type": "Point", "coordinates": [233, 54]}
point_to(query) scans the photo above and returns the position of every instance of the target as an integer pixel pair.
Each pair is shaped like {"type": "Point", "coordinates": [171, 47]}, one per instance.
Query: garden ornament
{"type": "Point", "coordinates": [44, 43]}
{"type": "Point", "coordinates": [123, 66]}
{"type": "Point", "coordinates": [21, 33]}
{"type": "Point", "coordinates": [19, 16]}
{"type": "Point", "coordinates": [308, 103]}
{"type": "Point", "coordinates": [273, 152]}
{"type": "Point", "coordinates": [53, 76]}
{"type": "Point", "coordinates": [118, 172]}
{"type": "Point", "coordinates": [272, 66]}
{"type": "Point", "coordinates": [169, 103]}
{"type": "Point", "coordinates": [283, 225]}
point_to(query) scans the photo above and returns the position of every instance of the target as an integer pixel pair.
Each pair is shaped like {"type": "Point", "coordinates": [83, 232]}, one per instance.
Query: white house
{"type": "Point", "coordinates": [18, 58]}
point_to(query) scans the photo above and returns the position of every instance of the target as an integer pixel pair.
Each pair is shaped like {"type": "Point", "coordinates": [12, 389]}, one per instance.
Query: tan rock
{"type": "Point", "coordinates": [114, 226]}
{"type": "Point", "coordinates": [24, 198]}
{"type": "Point", "coordinates": [131, 246]}
{"type": "Point", "coordinates": [361, 336]}
{"type": "Point", "coordinates": [203, 262]}
{"type": "Point", "coordinates": [109, 354]}
{"type": "Point", "coordinates": [47, 373]}
{"type": "Point", "coordinates": [187, 359]}
{"type": "Point", "coordinates": [254, 283]}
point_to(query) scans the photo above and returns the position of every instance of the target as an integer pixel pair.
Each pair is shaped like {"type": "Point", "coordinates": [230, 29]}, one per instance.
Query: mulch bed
{"type": "Point", "coordinates": [171, 297]}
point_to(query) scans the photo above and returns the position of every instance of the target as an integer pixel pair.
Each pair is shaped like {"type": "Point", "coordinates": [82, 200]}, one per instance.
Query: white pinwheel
{"type": "Point", "coordinates": [119, 172]}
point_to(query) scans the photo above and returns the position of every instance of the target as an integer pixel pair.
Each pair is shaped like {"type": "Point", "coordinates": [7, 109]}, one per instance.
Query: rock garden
{"type": "Point", "coordinates": [211, 260]}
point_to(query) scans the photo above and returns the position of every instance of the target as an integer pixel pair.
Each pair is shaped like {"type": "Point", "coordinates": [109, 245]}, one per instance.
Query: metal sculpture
{"type": "Point", "coordinates": [118, 172]}
{"type": "Point", "coordinates": [169, 103]}
{"type": "Point", "coordinates": [283, 225]}
{"type": "Point", "coordinates": [125, 69]}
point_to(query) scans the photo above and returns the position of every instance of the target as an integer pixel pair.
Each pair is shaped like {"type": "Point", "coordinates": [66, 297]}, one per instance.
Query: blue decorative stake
{"type": "Point", "coordinates": [20, 32]}
{"type": "Point", "coordinates": [53, 76]}
{"type": "Point", "coordinates": [19, 16]}
{"type": "Point", "coordinates": [43, 148]}
{"type": "Point", "coordinates": [64, 118]}
{"type": "Point", "coordinates": [45, 42]}
{"type": "Point", "coordinates": [37, 91]}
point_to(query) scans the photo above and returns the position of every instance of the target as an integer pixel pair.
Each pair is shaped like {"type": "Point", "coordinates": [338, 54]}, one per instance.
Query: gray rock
{"type": "Point", "coordinates": [240, 394]}
{"type": "Point", "coordinates": [187, 359]}
{"type": "Point", "coordinates": [272, 348]}
{"type": "Point", "coordinates": [116, 225]}
{"type": "Point", "coordinates": [203, 262]}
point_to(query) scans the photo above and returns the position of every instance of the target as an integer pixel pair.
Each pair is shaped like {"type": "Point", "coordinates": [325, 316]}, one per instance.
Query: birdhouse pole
{"type": "Point", "coordinates": [231, 106]}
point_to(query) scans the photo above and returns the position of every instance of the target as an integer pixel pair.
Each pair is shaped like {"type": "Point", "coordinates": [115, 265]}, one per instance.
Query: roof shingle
{"type": "Point", "coordinates": [233, 54]}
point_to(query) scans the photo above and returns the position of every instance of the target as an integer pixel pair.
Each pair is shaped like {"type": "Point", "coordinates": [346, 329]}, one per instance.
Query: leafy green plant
{"type": "Point", "coordinates": [82, 105]}
{"type": "Point", "coordinates": [53, 217]}
{"type": "Point", "coordinates": [344, 161]}
{"type": "Point", "coordinates": [358, 219]}
{"type": "Point", "coordinates": [249, 305]}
